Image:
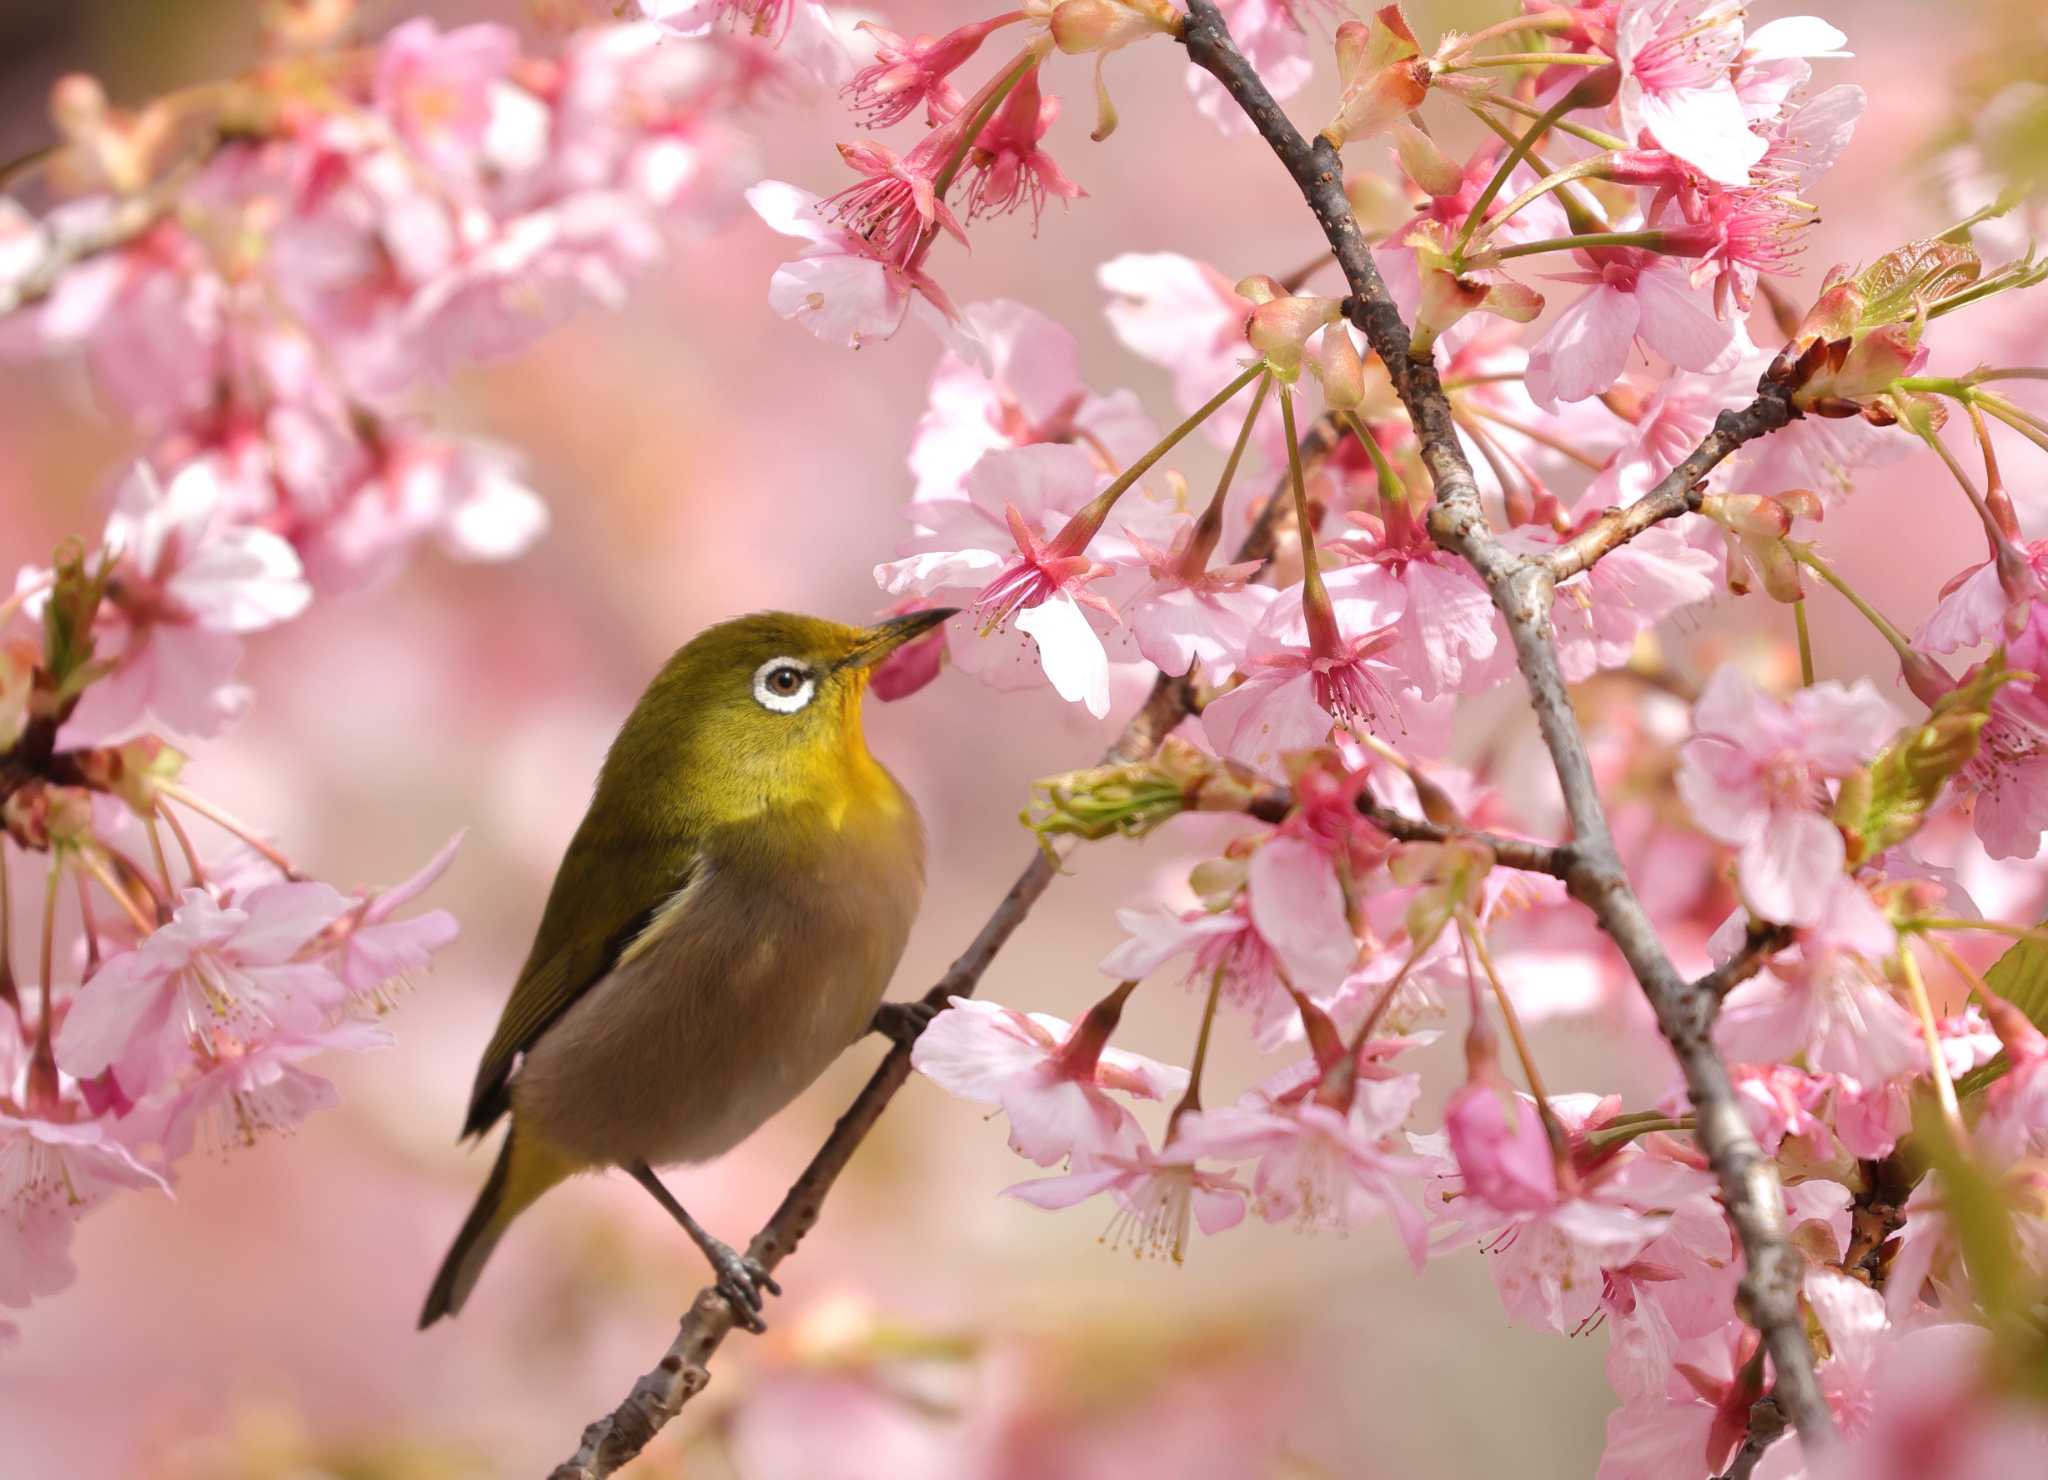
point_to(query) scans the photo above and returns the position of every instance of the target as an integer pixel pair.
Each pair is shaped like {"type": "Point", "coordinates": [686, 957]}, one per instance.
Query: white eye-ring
{"type": "Point", "coordinates": [783, 685]}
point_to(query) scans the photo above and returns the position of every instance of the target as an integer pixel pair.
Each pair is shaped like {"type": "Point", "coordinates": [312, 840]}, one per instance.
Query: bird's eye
{"type": "Point", "coordinates": [783, 685]}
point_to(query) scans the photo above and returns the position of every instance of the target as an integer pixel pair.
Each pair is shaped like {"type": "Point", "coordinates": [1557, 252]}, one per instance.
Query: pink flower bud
{"type": "Point", "coordinates": [1501, 1148]}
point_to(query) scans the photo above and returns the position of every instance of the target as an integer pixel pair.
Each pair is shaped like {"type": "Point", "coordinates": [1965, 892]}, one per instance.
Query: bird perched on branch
{"type": "Point", "coordinates": [723, 925]}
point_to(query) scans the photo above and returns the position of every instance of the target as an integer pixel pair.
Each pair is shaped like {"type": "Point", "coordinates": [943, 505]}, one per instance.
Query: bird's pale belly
{"type": "Point", "coordinates": [725, 1014]}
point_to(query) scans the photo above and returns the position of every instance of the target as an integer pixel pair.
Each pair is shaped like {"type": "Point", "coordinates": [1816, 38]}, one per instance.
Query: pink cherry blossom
{"type": "Point", "coordinates": [1753, 776]}
{"type": "Point", "coordinates": [228, 975]}
{"type": "Point", "coordinates": [1830, 1002]}
{"type": "Point", "coordinates": [246, 1090]}
{"type": "Point", "coordinates": [1976, 605]}
{"type": "Point", "coordinates": [1271, 38]}
{"type": "Point", "coordinates": [186, 584]}
{"type": "Point", "coordinates": [435, 87]}
{"type": "Point", "coordinates": [375, 949]}
{"type": "Point", "coordinates": [911, 70]}
{"type": "Point", "coordinates": [1288, 928]}
{"type": "Point", "coordinates": [1502, 1150]}
{"type": "Point", "coordinates": [1052, 1094]}
{"type": "Point", "coordinates": [1673, 421]}
{"type": "Point", "coordinates": [1447, 637]}
{"type": "Point", "coordinates": [1180, 619]}
{"type": "Point", "coordinates": [1638, 298]}
{"type": "Point", "coordinates": [1008, 167]}
{"type": "Point", "coordinates": [838, 287]}
{"type": "Point", "coordinates": [71, 1165]}
{"type": "Point", "coordinates": [802, 30]}
{"type": "Point", "coordinates": [1184, 316]}
{"type": "Point", "coordinates": [1298, 687]}
{"type": "Point", "coordinates": [1677, 87]}
{"type": "Point", "coordinates": [1160, 1195]}
{"type": "Point", "coordinates": [1003, 550]}
{"type": "Point", "coordinates": [1321, 1166]}
{"type": "Point", "coordinates": [1030, 391]}
{"type": "Point", "coordinates": [1600, 614]}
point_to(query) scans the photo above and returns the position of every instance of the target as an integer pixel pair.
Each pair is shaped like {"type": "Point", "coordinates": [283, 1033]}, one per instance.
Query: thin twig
{"type": "Point", "coordinates": [1522, 589]}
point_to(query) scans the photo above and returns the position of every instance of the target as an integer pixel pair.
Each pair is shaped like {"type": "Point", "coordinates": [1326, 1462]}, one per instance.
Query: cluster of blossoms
{"type": "Point", "coordinates": [1846, 857]}
{"type": "Point", "coordinates": [1844, 851]}
{"type": "Point", "coordinates": [351, 224]}
{"type": "Point", "coordinates": [257, 274]}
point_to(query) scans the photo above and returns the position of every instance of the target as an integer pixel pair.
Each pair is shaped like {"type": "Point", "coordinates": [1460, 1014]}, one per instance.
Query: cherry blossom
{"type": "Point", "coordinates": [1320, 1165]}
{"type": "Point", "coordinates": [1753, 775]}
{"type": "Point", "coordinates": [1677, 85]}
{"type": "Point", "coordinates": [185, 586]}
{"type": "Point", "coordinates": [840, 287]}
{"type": "Point", "coordinates": [1160, 1196]}
{"type": "Point", "coordinates": [1048, 1079]}
{"type": "Point", "coordinates": [1829, 1003]}
{"type": "Point", "coordinates": [214, 972]}
{"type": "Point", "coordinates": [1638, 298]}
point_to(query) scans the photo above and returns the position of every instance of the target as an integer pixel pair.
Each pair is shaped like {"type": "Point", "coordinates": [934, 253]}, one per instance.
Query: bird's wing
{"type": "Point", "coordinates": [607, 894]}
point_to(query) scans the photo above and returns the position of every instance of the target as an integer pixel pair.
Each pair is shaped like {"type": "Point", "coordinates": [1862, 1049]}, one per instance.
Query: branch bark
{"type": "Point", "coordinates": [659, 1395]}
{"type": "Point", "coordinates": [1522, 589]}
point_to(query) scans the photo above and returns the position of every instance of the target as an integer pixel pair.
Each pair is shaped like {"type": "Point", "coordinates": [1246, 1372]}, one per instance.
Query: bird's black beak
{"type": "Point", "coordinates": [882, 639]}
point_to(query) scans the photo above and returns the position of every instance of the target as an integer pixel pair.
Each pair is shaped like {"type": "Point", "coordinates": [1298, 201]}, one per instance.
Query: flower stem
{"type": "Point", "coordinates": [42, 1064]}
{"type": "Point", "coordinates": [156, 848]}
{"type": "Point", "coordinates": [1530, 59]}
{"type": "Point", "coordinates": [1989, 927]}
{"type": "Point", "coordinates": [1582, 215]}
{"type": "Point", "coordinates": [99, 870]}
{"type": "Point", "coordinates": [1508, 163]}
{"type": "Point", "coordinates": [1551, 23]}
{"type": "Point", "coordinates": [992, 98]}
{"type": "Point", "coordinates": [1208, 530]}
{"type": "Point", "coordinates": [1944, 1088]}
{"type": "Point", "coordinates": [1088, 519]}
{"type": "Point", "coordinates": [1651, 237]}
{"type": "Point", "coordinates": [1805, 643]}
{"type": "Point", "coordinates": [1560, 1139]}
{"type": "Point", "coordinates": [1192, 1099]}
{"type": "Point", "coordinates": [1393, 495]}
{"type": "Point", "coordinates": [1870, 613]}
{"type": "Point", "coordinates": [230, 823]}
{"type": "Point", "coordinates": [193, 868]}
{"type": "Point", "coordinates": [9, 992]}
{"type": "Point", "coordinates": [1315, 597]}
{"type": "Point", "coordinates": [1563, 125]}
{"type": "Point", "coordinates": [1555, 180]}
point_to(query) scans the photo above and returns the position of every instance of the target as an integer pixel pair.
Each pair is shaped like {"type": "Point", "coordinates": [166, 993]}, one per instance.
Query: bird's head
{"type": "Point", "coordinates": [764, 708]}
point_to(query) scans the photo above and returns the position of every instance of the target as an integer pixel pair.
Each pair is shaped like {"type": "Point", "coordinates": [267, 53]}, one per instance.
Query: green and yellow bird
{"type": "Point", "coordinates": [723, 925]}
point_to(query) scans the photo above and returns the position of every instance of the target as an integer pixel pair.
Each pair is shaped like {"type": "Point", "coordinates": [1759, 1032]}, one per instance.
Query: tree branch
{"type": "Point", "coordinates": [1522, 589]}
{"type": "Point", "coordinates": [1275, 803]}
{"type": "Point", "coordinates": [659, 1395]}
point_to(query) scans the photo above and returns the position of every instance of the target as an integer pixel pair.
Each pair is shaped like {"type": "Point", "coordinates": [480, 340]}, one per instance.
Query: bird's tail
{"type": "Point", "coordinates": [525, 1169]}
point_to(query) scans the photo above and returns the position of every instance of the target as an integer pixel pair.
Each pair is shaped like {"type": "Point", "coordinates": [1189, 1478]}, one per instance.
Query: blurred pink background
{"type": "Point", "coordinates": [702, 458]}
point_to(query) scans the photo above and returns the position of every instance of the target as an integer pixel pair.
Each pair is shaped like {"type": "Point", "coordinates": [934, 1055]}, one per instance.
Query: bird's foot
{"type": "Point", "coordinates": [903, 1022]}
{"type": "Point", "coordinates": [741, 1280]}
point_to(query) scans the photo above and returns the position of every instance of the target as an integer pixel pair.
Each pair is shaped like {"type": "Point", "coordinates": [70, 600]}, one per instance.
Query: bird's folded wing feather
{"type": "Point", "coordinates": [608, 892]}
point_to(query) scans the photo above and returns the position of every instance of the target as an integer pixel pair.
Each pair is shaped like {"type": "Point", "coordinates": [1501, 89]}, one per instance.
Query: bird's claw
{"type": "Point", "coordinates": [741, 1280]}
{"type": "Point", "coordinates": [903, 1023]}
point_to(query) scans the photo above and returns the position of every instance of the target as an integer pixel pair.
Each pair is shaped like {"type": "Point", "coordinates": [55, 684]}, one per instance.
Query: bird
{"type": "Point", "coordinates": [724, 923]}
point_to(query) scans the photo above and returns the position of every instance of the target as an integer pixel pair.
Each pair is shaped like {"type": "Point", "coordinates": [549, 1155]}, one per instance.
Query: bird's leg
{"type": "Point", "coordinates": [740, 1278]}
{"type": "Point", "coordinates": [903, 1022]}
